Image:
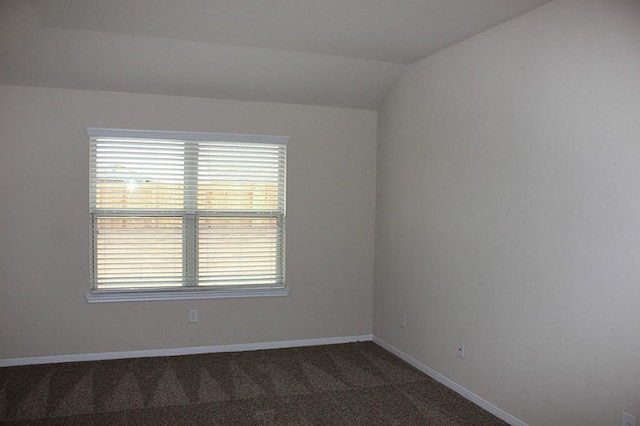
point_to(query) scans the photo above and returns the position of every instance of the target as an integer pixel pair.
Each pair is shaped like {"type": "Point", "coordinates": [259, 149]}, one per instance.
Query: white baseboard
{"type": "Point", "coordinates": [11, 362]}
{"type": "Point", "coordinates": [476, 399]}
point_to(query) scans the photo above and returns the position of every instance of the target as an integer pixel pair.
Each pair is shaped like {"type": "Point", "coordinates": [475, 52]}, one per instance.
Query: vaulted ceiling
{"type": "Point", "coordinates": [320, 52]}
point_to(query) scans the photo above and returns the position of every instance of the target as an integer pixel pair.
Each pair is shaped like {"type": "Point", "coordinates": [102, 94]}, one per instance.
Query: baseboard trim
{"type": "Point", "coordinates": [12, 362]}
{"type": "Point", "coordinates": [476, 399]}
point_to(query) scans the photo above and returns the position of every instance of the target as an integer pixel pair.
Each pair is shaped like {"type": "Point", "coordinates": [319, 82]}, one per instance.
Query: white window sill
{"type": "Point", "coordinates": [142, 296]}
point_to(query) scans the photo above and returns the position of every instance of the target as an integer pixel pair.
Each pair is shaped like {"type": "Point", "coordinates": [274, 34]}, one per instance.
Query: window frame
{"type": "Point", "coordinates": [190, 218]}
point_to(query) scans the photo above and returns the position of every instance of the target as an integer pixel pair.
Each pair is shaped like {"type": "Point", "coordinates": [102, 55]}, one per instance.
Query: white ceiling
{"type": "Point", "coordinates": [321, 52]}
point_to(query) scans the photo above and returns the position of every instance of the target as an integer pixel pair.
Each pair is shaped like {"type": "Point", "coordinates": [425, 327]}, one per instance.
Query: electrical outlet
{"type": "Point", "coordinates": [193, 315]}
{"type": "Point", "coordinates": [403, 320]}
{"type": "Point", "coordinates": [461, 348]}
{"type": "Point", "coordinates": [628, 419]}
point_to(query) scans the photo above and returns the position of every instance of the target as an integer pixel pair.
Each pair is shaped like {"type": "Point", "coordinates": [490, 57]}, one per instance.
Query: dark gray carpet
{"type": "Point", "coordinates": [350, 384]}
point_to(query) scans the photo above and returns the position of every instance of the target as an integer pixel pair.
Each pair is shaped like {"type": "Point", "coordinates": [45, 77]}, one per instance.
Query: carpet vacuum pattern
{"type": "Point", "coordinates": [347, 384]}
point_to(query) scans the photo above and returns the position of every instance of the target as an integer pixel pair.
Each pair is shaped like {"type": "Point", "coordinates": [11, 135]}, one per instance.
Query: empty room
{"type": "Point", "coordinates": [358, 212]}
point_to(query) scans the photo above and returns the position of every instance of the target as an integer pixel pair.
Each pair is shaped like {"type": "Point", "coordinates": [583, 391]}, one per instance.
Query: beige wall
{"type": "Point", "coordinates": [44, 236]}
{"type": "Point", "coordinates": [508, 213]}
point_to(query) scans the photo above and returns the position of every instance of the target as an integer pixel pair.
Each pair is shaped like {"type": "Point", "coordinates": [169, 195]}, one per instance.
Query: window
{"type": "Point", "coordinates": [186, 215]}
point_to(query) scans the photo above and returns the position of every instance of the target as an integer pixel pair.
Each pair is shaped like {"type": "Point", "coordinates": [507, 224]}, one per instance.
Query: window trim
{"type": "Point", "coordinates": [187, 292]}
{"type": "Point", "coordinates": [107, 296]}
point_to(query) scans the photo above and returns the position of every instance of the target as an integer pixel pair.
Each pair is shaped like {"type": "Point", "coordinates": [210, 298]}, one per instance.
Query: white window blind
{"type": "Point", "coordinates": [186, 211]}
